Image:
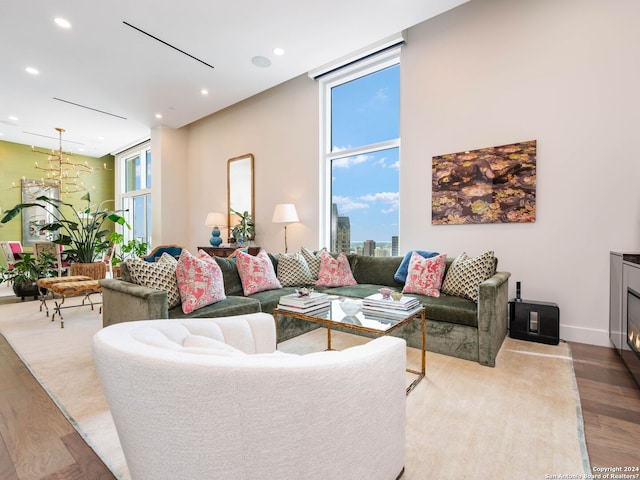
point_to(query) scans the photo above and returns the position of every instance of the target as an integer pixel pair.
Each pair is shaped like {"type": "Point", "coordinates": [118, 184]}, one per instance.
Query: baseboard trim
{"type": "Point", "coordinates": [589, 336]}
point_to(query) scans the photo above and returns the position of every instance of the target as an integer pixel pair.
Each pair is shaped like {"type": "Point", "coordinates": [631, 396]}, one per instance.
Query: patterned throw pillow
{"type": "Point", "coordinates": [161, 276]}
{"type": "Point", "coordinates": [334, 272]}
{"type": "Point", "coordinates": [425, 274]}
{"type": "Point", "coordinates": [466, 274]}
{"type": "Point", "coordinates": [313, 260]}
{"type": "Point", "coordinates": [199, 281]}
{"type": "Point", "coordinates": [403, 269]}
{"type": "Point", "coordinates": [256, 273]}
{"type": "Point", "coordinates": [166, 258]}
{"type": "Point", "coordinates": [293, 270]}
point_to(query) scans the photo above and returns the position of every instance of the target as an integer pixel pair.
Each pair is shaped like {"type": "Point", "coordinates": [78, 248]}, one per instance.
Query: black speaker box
{"type": "Point", "coordinates": [534, 321]}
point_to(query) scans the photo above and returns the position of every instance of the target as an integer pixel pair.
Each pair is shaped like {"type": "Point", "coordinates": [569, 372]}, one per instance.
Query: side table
{"type": "Point", "coordinates": [226, 251]}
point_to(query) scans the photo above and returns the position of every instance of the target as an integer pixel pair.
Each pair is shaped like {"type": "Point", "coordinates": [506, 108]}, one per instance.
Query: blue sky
{"type": "Point", "coordinates": [366, 187]}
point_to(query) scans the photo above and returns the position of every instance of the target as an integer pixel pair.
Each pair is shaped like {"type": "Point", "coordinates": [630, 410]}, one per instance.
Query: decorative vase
{"type": "Point", "coordinates": [215, 239]}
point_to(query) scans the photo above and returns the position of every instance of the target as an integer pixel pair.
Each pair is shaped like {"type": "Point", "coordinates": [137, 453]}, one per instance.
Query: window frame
{"type": "Point", "coordinates": [141, 151]}
{"type": "Point", "coordinates": [352, 71]}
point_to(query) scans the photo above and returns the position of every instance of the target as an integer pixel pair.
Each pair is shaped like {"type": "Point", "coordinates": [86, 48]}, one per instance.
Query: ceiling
{"type": "Point", "coordinates": [122, 62]}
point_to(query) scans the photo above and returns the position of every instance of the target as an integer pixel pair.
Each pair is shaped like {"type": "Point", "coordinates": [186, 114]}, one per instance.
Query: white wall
{"type": "Point", "coordinates": [561, 72]}
{"type": "Point", "coordinates": [490, 72]}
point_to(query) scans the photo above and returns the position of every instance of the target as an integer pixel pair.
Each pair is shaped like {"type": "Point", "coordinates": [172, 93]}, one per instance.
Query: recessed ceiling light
{"type": "Point", "coordinates": [158, 115]}
{"type": "Point", "coordinates": [278, 51]}
{"type": "Point", "coordinates": [260, 61]}
{"type": "Point", "coordinates": [204, 91]}
{"type": "Point", "coordinates": [61, 22]}
{"type": "Point", "coordinates": [11, 117]}
{"type": "Point", "coordinates": [100, 138]}
{"type": "Point", "coordinates": [32, 71]}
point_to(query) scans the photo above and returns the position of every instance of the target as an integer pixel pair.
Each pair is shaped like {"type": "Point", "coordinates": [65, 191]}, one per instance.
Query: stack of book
{"type": "Point", "coordinates": [375, 306]}
{"type": "Point", "coordinates": [315, 302]}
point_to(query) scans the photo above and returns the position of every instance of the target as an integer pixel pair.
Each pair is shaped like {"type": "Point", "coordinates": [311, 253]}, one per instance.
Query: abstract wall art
{"type": "Point", "coordinates": [489, 185]}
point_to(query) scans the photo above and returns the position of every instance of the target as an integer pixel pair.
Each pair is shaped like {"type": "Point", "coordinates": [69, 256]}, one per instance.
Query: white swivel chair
{"type": "Point", "coordinates": [212, 399]}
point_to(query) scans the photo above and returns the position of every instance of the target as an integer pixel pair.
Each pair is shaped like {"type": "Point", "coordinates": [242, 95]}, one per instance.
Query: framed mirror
{"type": "Point", "coordinates": [240, 189]}
{"type": "Point", "coordinates": [35, 217]}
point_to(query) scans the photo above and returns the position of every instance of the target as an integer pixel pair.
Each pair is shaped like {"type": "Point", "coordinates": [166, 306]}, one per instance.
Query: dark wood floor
{"type": "Point", "coordinates": [38, 443]}
{"type": "Point", "coordinates": [610, 407]}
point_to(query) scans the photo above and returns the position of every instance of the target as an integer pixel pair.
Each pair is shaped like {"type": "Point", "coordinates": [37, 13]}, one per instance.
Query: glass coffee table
{"type": "Point", "coordinates": [363, 322]}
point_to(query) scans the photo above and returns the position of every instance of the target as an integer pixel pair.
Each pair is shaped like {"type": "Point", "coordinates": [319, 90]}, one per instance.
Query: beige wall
{"type": "Point", "coordinates": [280, 128]}
{"type": "Point", "coordinates": [488, 73]}
{"type": "Point", "coordinates": [170, 186]}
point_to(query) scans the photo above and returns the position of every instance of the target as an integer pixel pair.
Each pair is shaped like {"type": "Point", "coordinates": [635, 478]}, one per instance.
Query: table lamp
{"type": "Point", "coordinates": [215, 220]}
{"type": "Point", "coordinates": [285, 213]}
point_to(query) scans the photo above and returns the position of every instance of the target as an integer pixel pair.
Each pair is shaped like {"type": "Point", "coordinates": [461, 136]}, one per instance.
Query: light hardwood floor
{"type": "Point", "coordinates": [38, 443]}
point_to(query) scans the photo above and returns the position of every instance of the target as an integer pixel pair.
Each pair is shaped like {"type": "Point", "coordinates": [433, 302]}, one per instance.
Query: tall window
{"type": "Point", "coordinates": [135, 191]}
{"type": "Point", "coordinates": [361, 155]}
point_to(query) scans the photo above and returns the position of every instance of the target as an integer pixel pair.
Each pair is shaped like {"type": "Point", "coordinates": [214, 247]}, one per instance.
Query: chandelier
{"type": "Point", "coordinates": [60, 172]}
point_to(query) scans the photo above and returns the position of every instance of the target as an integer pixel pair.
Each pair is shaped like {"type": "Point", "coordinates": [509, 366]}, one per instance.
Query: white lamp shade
{"type": "Point", "coordinates": [215, 219]}
{"type": "Point", "coordinates": [285, 213]}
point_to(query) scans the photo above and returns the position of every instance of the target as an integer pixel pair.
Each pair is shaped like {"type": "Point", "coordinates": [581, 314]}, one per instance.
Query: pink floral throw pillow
{"type": "Point", "coordinates": [334, 272]}
{"type": "Point", "coordinates": [425, 274]}
{"type": "Point", "coordinates": [200, 281]}
{"type": "Point", "coordinates": [256, 272]}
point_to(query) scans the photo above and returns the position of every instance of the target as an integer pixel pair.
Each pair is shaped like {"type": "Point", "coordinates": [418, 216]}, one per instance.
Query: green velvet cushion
{"type": "Point", "coordinates": [230, 275]}
{"type": "Point", "coordinates": [125, 275]}
{"type": "Point", "coordinates": [379, 270]}
{"type": "Point", "coordinates": [230, 306]}
{"type": "Point", "coordinates": [269, 298]}
{"type": "Point", "coordinates": [451, 309]}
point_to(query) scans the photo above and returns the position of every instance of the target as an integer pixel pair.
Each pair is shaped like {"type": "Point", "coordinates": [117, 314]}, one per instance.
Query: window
{"type": "Point", "coordinates": [135, 191]}
{"type": "Point", "coordinates": [361, 156]}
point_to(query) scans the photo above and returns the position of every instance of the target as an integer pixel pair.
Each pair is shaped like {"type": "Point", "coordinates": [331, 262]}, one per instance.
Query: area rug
{"type": "Point", "coordinates": [521, 419]}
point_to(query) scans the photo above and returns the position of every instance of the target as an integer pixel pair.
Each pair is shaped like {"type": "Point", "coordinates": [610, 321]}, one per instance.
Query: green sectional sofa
{"type": "Point", "coordinates": [455, 326]}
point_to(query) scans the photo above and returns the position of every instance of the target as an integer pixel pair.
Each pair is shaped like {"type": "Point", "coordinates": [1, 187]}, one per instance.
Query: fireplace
{"type": "Point", "coordinates": [631, 351]}
{"type": "Point", "coordinates": [633, 320]}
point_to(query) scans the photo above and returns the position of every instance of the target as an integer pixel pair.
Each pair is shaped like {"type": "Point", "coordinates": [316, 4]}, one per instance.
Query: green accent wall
{"type": "Point", "coordinates": [17, 161]}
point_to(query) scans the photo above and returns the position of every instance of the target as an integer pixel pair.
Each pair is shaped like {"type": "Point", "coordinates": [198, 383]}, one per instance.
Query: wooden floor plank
{"type": "Point", "coordinates": [87, 460]}
{"type": "Point", "coordinates": [7, 470]}
{"type": "Point", "coordinates": [38, 440]}
{"type": "Point", "coordinates": [610, 402]}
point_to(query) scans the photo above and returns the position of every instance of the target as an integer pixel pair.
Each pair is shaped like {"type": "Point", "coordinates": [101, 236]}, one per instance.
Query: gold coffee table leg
{"type": "Point", "coordinates": [421, 374]}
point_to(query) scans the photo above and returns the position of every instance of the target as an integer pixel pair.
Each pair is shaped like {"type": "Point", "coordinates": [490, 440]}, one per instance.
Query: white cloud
{"type": "Point", "coordinates": [347, 162]}
{"type": "Point", "coordinates": [384, 197]}
{"type": "Point", "coordinates": [381, 94]}
{"type": "Point", "coordinates": [395, 164]}
{"type": "Point", "coordinates": [347, 204]}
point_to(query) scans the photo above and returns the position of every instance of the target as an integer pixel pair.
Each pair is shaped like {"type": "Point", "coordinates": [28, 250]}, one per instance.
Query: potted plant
{"type": "Point", "coordinates": [244, 230]}
{"type": "Point", "coordinates": [82, 230]}
{"type": "Point", "coordinates": [122, 250]}
{"type": "Point", "coordinates": [25, 273]}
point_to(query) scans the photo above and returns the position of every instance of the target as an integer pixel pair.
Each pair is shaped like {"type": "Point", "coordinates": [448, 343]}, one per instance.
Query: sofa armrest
{"type": "Point", "coordinates": [493, 302]}
{"type": "Point", "coordinates": [124, 302]}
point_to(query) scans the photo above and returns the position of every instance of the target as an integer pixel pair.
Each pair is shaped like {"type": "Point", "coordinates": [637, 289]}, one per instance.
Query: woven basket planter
{"type": "Point", "coordinates": [95, 270]}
